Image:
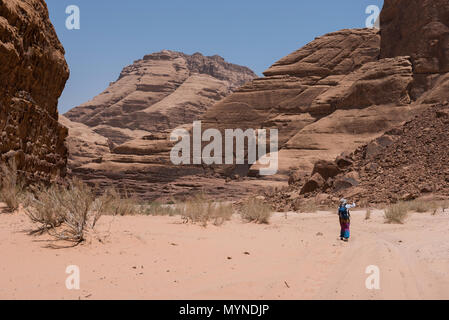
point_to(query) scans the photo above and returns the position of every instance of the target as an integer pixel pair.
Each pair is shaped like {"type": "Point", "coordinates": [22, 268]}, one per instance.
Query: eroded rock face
{"type": "Point", "coordinates": [326, 98]}
{"type": "Point", "coordinates": [417, 28]}
{"type": "Point", "coordinates": [84, 144]}
{"type": "Point", "coordinates": [33, 73]}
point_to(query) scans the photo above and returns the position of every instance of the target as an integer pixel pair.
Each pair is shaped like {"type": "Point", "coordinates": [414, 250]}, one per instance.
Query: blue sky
{"type": "Point", "coordinates": [254, 33]}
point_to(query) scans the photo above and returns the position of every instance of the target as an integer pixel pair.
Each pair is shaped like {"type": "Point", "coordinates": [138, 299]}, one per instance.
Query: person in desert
{"type": "Point", "coordinates": [345, 219]}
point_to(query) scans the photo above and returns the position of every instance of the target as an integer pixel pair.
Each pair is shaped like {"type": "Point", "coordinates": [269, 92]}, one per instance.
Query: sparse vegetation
{"type": "Point", "coordinates": [368, 214]}
{"type": "Point", "coordinates": [116, 204]}
{"type": "Point", "coordinates": [10, 186]}
{"type": "Point", "coordinates": [201, 210]}
{"type": "Point", "coordinates": [159, 209]}
{"type": "Point", "coordinates": [65, 212]}
{"type": "Point", "coordinates": [397, 213]}
{"type": "Point", "coordinates": [256, 210]}
{"type": "Point", "coordinates": [419, 206]}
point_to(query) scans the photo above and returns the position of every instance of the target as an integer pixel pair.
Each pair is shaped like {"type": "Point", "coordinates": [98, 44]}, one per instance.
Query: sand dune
{"type": "Point", "coordinates": [297, 256]}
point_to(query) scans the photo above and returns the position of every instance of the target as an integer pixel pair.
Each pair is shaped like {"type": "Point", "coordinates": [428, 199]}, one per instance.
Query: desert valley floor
{"type": "Point", "coordinates": [296, 256]}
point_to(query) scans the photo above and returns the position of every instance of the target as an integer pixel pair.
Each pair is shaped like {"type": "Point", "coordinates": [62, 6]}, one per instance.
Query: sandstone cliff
{"type": "Point", "coordinates": [407, 161]}
{"type": "Point", "coordinates": [121, 137]}
{"type": "Point", "coordinates": [33, 73]}
{"type": "Point", "coordinates": [328, 97]}
{"type": "Point", "coordinates": [334, 95]}
{"type": "Point", "coordinates": [159, 92]}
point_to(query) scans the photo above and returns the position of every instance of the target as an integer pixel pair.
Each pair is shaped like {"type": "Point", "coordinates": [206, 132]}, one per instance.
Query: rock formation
{"type": "Point", "coordinates": [158, 93]}
{"type": "Point", "coordinates": [124, 136]}
{"type": "Point", "coordinates": [33, 73]}
{"type": "Point", "coordinates": [340, 92]}
{"type": "Point", "coordinates": [84, 144]}
{"type": "Point", "coordinates": [330, 96]}
{"type": "Point", "coordinates": [407, 162]}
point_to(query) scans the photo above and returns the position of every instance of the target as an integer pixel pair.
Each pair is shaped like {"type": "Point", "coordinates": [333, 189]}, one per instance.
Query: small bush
{"type": "Point", "coordinates": [418, 206]}
{"type": "Point", "coordinates": [64, 212]}
{"type": "Point", "coordinates": [397, 213]}
{"type": "Point", "coordinates": [255, 210]}
{"type": "Point", "coordinates": [368, 214]}
{"type": "Point", "coordinates": [158, 209]}
{"type": "Point", "coordinates": [201, 210]}
{"type": "Point", "coordinates": [113, 203]}
{"type": "Point", "coordinates": [10, 188]}
{"type": "Point", "coordinates": [221, 212]}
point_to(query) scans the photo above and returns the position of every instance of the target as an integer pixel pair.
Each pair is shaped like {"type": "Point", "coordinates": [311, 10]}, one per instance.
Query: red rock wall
{"type": "Point", "coordinates": [33, 73]}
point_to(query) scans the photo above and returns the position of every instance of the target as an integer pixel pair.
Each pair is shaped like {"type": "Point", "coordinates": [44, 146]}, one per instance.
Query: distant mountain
{"type": "Point", "coordinates": [160, 92]}
{"type": "Point", "coordinates": [121, 137]}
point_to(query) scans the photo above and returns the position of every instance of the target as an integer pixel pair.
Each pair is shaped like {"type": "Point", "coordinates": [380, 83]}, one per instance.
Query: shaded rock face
{"type": "Point", "coordinates": [158, 93]}
{"type": "Point", "coordinates": [33, 73]}
{"type": "Point", "coordinates": [84, 144]}
{"type": "Point", "coordinates": [417, 28]}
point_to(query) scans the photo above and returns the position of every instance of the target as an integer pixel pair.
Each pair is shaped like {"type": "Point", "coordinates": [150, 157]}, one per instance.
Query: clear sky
{"type": "Point", "coordinates": [254, 33]}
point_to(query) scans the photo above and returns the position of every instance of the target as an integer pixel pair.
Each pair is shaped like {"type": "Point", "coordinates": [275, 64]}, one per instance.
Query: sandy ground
{"type": "Point", "coordinates": [297, 256]}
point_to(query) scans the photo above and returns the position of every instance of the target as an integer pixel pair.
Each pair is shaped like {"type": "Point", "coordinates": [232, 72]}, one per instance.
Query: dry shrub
{"type": "Point", "coordinates": [256, 210]}
{"type": "Point", "coordinates": [65, 212]}
{"type": "Point", "coordinates": [397, 213]}
{"type": "Point", "coordinates": [308, 207]}
{"type": "Point", "coordinates": [221, 212]}
{"type": "Point", "coordinates": [368, 214]}
{"type": "Point", "coordinates": [201, 210]}
{"type": "Point", "coordinates": [10, 187]}
{"type": "Point", "coordinates": [158, 209]}
{"type": "Point", "coordinates": [445, 205]}
{"type": "Point", "coordinates": [421, 206]}
{"type": "Point", "coordinates": [116, 204]}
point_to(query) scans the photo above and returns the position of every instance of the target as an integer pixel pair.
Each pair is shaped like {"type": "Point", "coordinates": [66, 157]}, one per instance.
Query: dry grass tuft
{"type": "Point", "coordinates": [421, 206]}
{"type": "Point", "coordinates": [201, 210]}
{"type": "Point", "coordinates": [256, 210]}
{"type": "Point", "coordinates": [158, 209]}
{"type": "Point", "coordinates": [397, 213]}
{"type": "Point", "coordinates": [63, 212]}
{"type": "Point", "coordinates": [368, 214]}
{"type": "Point", "coordinates": [116, 204]}
{"type": "Point", "coordinates": [10, 187]}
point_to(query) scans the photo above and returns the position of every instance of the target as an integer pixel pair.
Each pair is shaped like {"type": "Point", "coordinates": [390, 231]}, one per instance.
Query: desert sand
{"type": "Point", "coordinates": [296, 256]}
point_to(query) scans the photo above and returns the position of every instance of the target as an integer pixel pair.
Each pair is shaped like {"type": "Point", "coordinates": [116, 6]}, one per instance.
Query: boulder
{"type": "Point", "coordinates": [313, 184]}
{"type": "Point", "coordinates": [327, 169]}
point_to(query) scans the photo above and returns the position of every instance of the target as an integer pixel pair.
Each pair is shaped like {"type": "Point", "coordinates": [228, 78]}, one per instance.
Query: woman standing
{"type": "Point", "coordinates": [345, 219]}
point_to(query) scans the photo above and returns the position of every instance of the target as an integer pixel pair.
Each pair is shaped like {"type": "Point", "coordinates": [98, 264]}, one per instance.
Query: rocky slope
{"type": "Point", "coordinates": [408, 161]}
{"type": "Point", "coordinates": [33, 73]}
{"type": "Point", "coordinates": [405, 163]}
